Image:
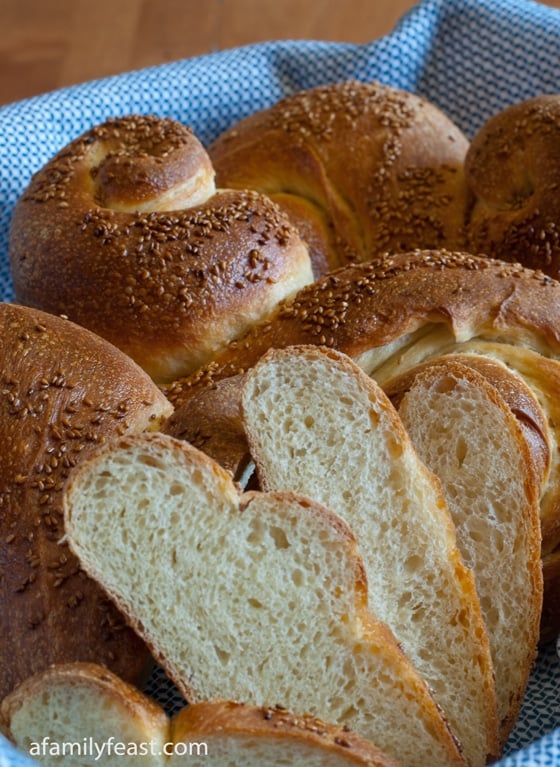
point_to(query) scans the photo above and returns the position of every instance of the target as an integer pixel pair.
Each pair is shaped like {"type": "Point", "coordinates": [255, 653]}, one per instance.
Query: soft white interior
{"type": "Point", "coordinates": [255, 602]}
{"type": "Point", "coordinates": [79, 727]}
{"type": "Point", "coordinates": [473, 446]}
{"type": "Point", "coordinates": [317, 428]}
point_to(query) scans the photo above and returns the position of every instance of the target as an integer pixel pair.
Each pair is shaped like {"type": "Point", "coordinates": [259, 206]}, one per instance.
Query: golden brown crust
{"type": "Point", "coordinates": [361, 309]}
{"type": "Point", "coordinates": [64, 392]}
{"type": "Point", "coordinates": [211, 421]}
{"type": "Point", "coordinates": [169, 279]}
{"type": "Point", "coordinates": [228, 718]}
{"type": "Point", "coordinates": [512, 171]}
{"type": "Point", "coordinates": [363, 168]}
{"type": "Point", "coordinates": [96, 680]}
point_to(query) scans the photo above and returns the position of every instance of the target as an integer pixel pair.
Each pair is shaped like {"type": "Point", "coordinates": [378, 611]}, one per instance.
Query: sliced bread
{"type": "Point", "coordinates": [258, 597]}
{"type": "Point", "coordinates": [466, 433]}
{"type": "Point", "coordinates": [319, 426]}
{"type": "Point", "coordinates": [81, 714]}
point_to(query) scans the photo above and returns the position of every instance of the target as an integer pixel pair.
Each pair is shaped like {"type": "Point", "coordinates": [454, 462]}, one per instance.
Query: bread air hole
{"type": "Point", "coordinates": [279, 537]}
{"type": "Point", "coordinates": [461, 450]}
{"type": "Point", "coordinates": [222, 655]}
{"type": "Point", "coordinates": [151, 460]}
{"type": "Point", "coordinates": [413, 564]}
{"type": "Point", "coordinates": [298, 578]}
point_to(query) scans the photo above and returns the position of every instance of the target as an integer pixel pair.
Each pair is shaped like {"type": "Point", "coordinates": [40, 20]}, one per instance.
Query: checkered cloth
{"type": "Point", "coordinates": [469, 57]}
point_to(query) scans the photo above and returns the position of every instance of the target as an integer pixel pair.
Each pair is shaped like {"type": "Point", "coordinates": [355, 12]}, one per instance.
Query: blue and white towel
{"type": "Point", "coordinates": [469, 57]}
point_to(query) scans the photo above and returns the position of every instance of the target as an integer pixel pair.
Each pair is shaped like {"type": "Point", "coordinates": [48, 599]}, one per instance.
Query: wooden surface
{"type": "Point", "coordinates": [46, 44]}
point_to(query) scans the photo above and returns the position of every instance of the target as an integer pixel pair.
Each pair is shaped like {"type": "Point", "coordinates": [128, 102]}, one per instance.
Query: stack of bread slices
{"type": "Point", "coordinates": [356, 588]}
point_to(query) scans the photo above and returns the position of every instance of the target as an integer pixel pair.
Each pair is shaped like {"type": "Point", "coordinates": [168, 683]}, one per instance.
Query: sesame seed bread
{"type": "Point", "coordinates": [124, 232]}
{"type": "Point", "coordinates": [466, 433]}
{"type": "Point", "coordinates": [399, 310]}
{"type": "Point", "coordinates": [361, 168]}
{"type": "Point", "coordinates": [375, 311]}
{"type": "Point", "coordinates": [317, 425]}
{"type": "Point", "coordinates": [512, 172]}
{"type": "Point", "coordinates": [83, 703]}
{"type": "Point", "coordinates": [64, 391]}
{"type": "Point", "coordinates": [261, 597]}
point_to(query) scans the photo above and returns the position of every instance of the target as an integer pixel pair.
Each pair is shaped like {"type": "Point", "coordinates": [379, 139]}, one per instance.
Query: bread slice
{"type": "Point", "coordinates": [75, 714]}
{"type": "Point", "coordinates": [258, 597]}
{"type": "Point", "coordinates": [468, 436]}
{"type": "Point", "coordinates": [318, 425]}
{"type": "Point", "coordinates": [100, 719]}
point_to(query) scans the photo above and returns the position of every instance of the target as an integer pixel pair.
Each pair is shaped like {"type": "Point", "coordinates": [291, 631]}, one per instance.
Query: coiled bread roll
{"type": "Point", "coordinates": [124, 232]}
{"type": "Point", "coordinates": [512, 172]}
{"type": "Point", "coordinates": [361, 168]}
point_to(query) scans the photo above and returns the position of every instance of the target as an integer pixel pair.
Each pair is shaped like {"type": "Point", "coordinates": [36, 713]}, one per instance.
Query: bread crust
{"type": "Point", "coordinates": [211, 421]}
{"type": "Point", "coordinates": [64, 392]}
{"type": "Point", "coordinates": [512, 170]}
{"type": "Point", "coordinates": [361, 168]}
{"type": "Point", "coordinates": [366, 310]}
{"type": "Point", "coordinates": [209, 722]}
{"type": "Point", "coordinates": [93, 678]}
{"type": "Point", "coordinates": [231, 718]}
{"type": "Point", "coordinates": [124, 232]}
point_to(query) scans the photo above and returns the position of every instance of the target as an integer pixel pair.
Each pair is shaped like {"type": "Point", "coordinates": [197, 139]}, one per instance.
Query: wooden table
{"type": "Point", "coordinates": [46, 44]}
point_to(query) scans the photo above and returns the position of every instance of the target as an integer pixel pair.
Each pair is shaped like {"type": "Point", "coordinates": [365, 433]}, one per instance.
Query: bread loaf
{"type": "Point", "coordinates": [318, 426]}
{"type": "Point", "coordinates": [124, 231]}
{"type": "Point", "coordinates": [261, 597]}
{"type": "Point", "coordinates": [91, 708]}
{"type": "Point", "coordinates": [398, 311]}
{"type": "Point", "coordinates": [363, 168]}
{"type": "Point", "coordinates": [64, 393]}
{"type": "Point", "coordinates": [467, 434]}
{"type": "Point", "coordinates": [360, 168]}
{"type": "Point", "coordinates": [375, 311]}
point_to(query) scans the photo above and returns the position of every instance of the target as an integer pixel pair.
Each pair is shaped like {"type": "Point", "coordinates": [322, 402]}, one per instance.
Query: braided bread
{"type": "Point", "coordinates": [400, 310]}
